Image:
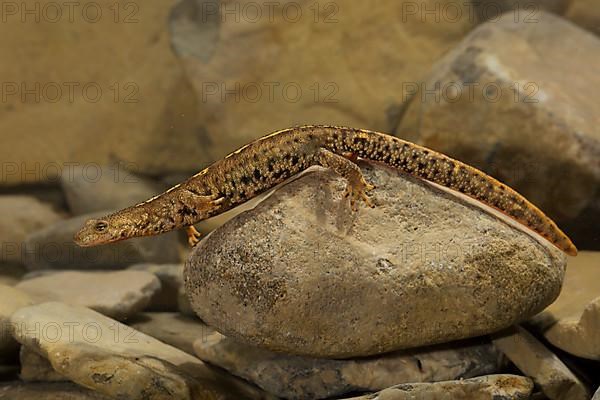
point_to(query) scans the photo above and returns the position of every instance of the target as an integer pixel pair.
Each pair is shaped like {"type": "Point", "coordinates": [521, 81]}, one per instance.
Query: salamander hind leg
{"type": "Point", "coordinates": [357, 187]}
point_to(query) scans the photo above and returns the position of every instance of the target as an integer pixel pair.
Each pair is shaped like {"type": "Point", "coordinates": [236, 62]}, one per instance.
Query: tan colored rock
{"type": "Point", "coordinates": [172, 328]}
{"type": "Point", "coordinates": [11, 300]}
{"type": "Point", "coordinates": [293, 377]}
{"type": "Point", "coordinates": [127, 101]}
{"type": "Point", "coordinates": [520, 10]}
{"type": "Point", "coordinates": [116, 294]}
{"type": "Point", "coordinates": [351, 71]}
{"type": "Point", "coordinates": [303, 274]}
{"type": "Point", "coordinates": [504, 101]}
{"type": "Point", "coordinates": [11, 274]}
{"type": "Point", "coordinates": [585, 13]}
{"type": "Point", "coordinates": [47, 391]}
{"type": "Point", "coordinates": [21, 216]}
{"type": "Point", "coordinates": [102, 354]}
{"type": "Point", "coordinates": [35, 368]}
{"type": "Point", "coordinates": [535, 360]}
{"type": "Point", "coordinates": [572, 322]}
{"type": "Point", "coordinates": [53, 248]}
{"type": "Point", "coordinates": [490, 387]}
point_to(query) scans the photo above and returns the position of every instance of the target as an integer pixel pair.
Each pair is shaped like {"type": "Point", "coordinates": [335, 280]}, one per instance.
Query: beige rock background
{"type": "Point", "coordinates": [152, 119]}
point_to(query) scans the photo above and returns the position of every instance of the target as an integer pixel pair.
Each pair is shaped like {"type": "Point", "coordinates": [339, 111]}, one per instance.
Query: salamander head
{"type": "Point", "coordinates": [104, 230]}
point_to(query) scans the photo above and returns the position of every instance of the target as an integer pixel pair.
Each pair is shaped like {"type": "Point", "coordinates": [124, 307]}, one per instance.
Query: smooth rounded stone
{"type": "Point", "coordinates": [53, 248]}
{"type": "Point", "coordinates": [596, 395]}
{"type": "Point", "coordinates": [490, 387]}
{"type": "Point", "coordinates": [105, 188]}
{"type": "Point", "coordinates": [172, 328]}
{"type": "Point", "coordinates": [116, 294]}
{"type": "Point", "coordinates": [294, 377]}
{"type": "Point", "coordinates": [102, 354]}
{"type": "Point", "coordinates": [35, 368]}
{"type": "Point", "coordinates": [125, 111]}
{"type": "Point", "coordinates": [47, 391]}
{"type": "Point", "coordinates": [572, 322]}
{"type": "Point", "coordinates": [11, 300]}
{"type": "Point", "coordinates": [21, 216]}
{"type": "Point", "coordinates": [171, 283]}
{"type": "Point", "coordinates": [332, 85]}
{"type": "Point", "coordinates": [513, 73]}
{"type": "Point", "coordinates": [303, 274]}
{"type": "Point", "coordinates": [586, 14]}
{"type": "Point", "coordinates": [544, 367]}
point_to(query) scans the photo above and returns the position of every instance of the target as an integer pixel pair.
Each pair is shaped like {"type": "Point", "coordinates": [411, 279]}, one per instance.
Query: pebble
{"type": "Point", "coordinates": [294, 377]}
{"type": "Point", "coordinates": [116, 294]}
{"type": "Point", "coordinates": [301, 273]}
{"type": "Point", "coordinates": [538, 362]}
{"type": "Point", "coordinates": [171, 283]}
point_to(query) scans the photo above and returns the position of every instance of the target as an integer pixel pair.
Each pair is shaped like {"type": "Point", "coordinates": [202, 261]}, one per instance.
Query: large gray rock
{"type": "Point", "coordinates": [116, 294]}
{"type": "Point", "coordinates": [53, 248]}
{"type": "Point", "coordinates": [47, 391]}
{"type": "Point", "coordinates": [294, 377]}
{"type": "Point", "coordinates": [572, 322]}
{"type": "Point", "coordinates": [114, 359]}
{"type": "Point", "coordinates": [21, 216]}
{"type": "Point", "coordinates": [302, 273]}
{"type": "Point", "coordinates": [491, 387]}
{"type": "Point", "coordinates": [537, 361]}
{"type": "Point", "coordinates": [11, 300]}
{"type": "Point", "coordinates": [105, 188]}
{"type": "Point", "coordinates": [487, 101]}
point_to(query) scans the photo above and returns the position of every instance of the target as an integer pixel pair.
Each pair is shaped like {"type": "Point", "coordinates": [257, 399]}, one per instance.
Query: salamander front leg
{"type": "Point", "coordinates": [357, 187]}
{"type": "Point", "coordinates": [193, 235]}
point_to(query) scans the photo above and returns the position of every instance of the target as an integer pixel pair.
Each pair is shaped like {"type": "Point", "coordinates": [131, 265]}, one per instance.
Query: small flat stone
{"type": "Point", "coordinates": [490, 387]}
{"type": "Point", "coordinates": [21, 216]}
{"type": "Point", "coordinates": [105, 188]}
{"type": "Point", "coordinates": [116, 294]}
{"type": "Point", "coordinates": [11, 300]}
{"type": "Point", "coordinates": [537, 361]}
{"type": "Point", "coordinates": [47, 391]}
{"type": "Point", "coordinates": [35, 368]}
{"type": "Point", "coordinates": [303, 274]}
{"type": "Point", "coordinates": [171, 283]}
{"type": "Point", "coordinates": [572, 322]}
{"type": "Point", "coordinates": [294, 377]}
{"type": "Point", "coordinates": [100, 353]}
{"type": "Point", "coordinates": [53, 248]}
{"type": "Point", "coordinates": [172, 328]}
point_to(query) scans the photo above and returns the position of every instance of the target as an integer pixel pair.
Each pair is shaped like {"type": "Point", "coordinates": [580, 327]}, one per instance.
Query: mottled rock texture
{"type": "Point", "coordinates": [490, 387]}
{"type": "Point", "coordinates": [293, 377]}
{"type": "Point", "coordinates": [302, 273]}
{"type": "Point", "coordinates": [505, 100]}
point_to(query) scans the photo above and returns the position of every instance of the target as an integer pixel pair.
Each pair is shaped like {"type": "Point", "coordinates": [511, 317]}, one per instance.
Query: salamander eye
{"type": "Point", "coordinates": [101, 226]}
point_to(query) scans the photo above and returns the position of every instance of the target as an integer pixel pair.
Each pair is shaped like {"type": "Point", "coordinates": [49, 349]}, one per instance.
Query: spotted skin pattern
{"type": "Point", "coordinates": [266, 162]}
